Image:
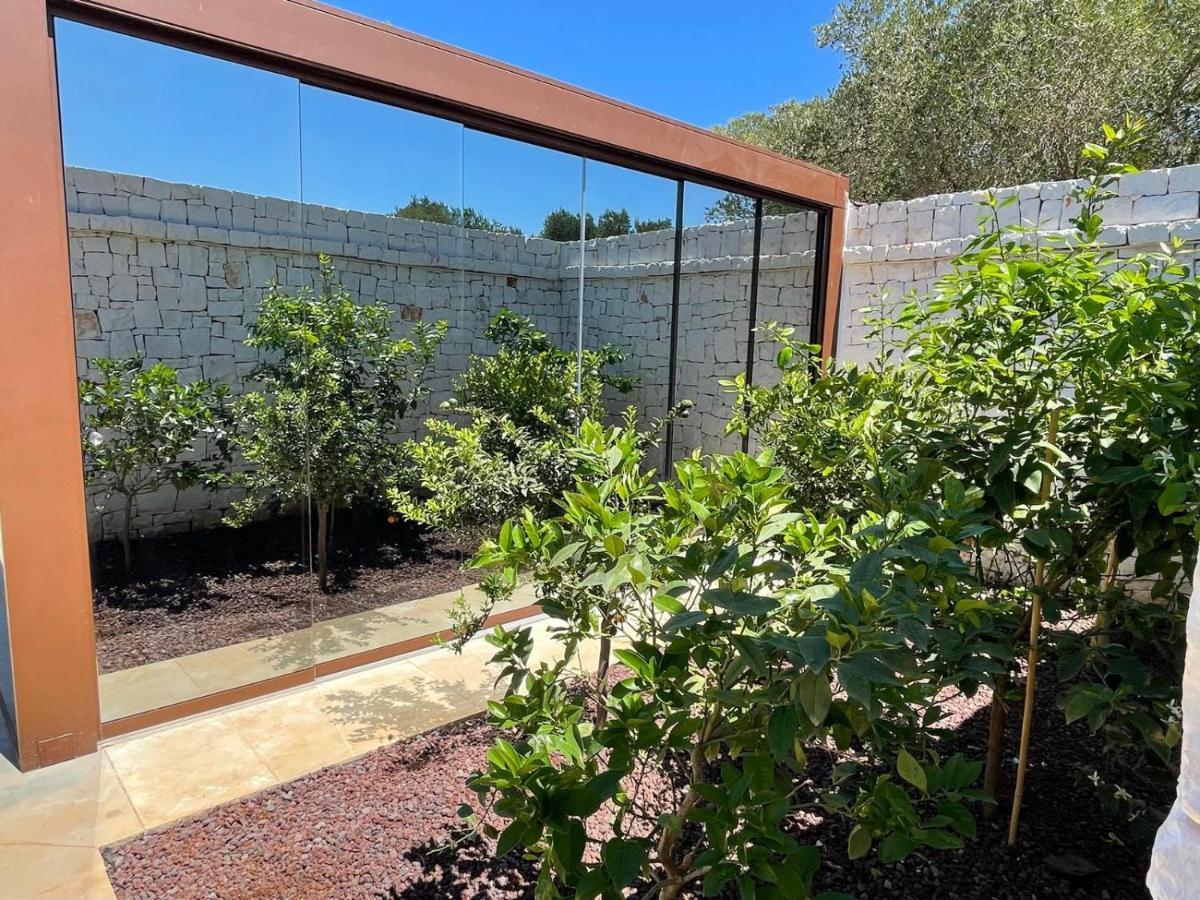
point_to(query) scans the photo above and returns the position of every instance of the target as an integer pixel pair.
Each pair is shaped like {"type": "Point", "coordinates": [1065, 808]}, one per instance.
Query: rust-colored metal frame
{"type": "Point", "coordinates": [46, 570]}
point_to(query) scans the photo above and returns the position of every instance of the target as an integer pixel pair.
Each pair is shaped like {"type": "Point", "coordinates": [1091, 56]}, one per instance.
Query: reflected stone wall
{"type": "Point", "coordinates": [175, 271]}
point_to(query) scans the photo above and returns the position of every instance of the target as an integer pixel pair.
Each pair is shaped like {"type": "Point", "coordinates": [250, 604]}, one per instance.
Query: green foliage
{"type": "Point", "coordinates": [563, 225]}
{"type": "Point", "coordinates": [425, 209]}
{"type": "Point", "coordinates": [954, 95]}
{"type": "Point", "coordinates": [534, 383]}
{"type": "Point", "coordinates": [522, 403]}
{"type": "Point", "coordinates": [750, 634]}
{"type": "Point", "coordinates": [142, 430]}
{"type": "Point", "coordinates": [334, 387]}
{"type": "Point", "coordinates": [1021, 326]}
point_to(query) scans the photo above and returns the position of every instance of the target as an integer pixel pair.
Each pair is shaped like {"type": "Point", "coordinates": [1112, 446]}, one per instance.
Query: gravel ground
{"type": "Point", "coordinates": [207, 589]}
{"type": "Point", "coordinates": [380, 826]}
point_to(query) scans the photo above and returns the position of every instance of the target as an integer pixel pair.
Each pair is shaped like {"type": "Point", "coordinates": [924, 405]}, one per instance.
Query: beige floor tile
{"type": "Point", "coordinates": [248, 662]}
{"type": "Point", "coordinates": [469, 674]}
{"type": "Point", "coordinates": [292, 734]}
{"type": "Point", "coordinates": [151, 686]}
{"type": "Point", "coordinates": [187, 767]}
{"type": "Point", "coordinates": [79, 803]}
{"type": "Point", "coordinates": [37, 870]}
{"type": "Point", "coordinates": [388, 703]}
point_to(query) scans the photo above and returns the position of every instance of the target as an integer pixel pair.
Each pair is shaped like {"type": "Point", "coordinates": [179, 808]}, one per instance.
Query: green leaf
{"type": "Point", "coordinates": [815, 695]}
{"type": "Point", "coordinates": [1173, 498]}
{"type": "Point", "coordinates": [895, 847]}
{"type": "Point", "coordinates": [781, 732]}
{"type": "Point", "coordinates": [622, 860]}
{"type": "Point", "coordinates": [510, 837]}
{"type": "Point", "coordinates": [910, 770]}
{"type": "Point", "coordinates": [859, 844]}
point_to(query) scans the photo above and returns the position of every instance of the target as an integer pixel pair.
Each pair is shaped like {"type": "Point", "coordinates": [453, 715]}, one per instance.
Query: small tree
{"type": "Point", "coordinates": [335, 385]}
{"type": "Point", "coordinates": [523, 402]}
{"type": "Point", "coordinates": [755, 633]}
{"type": "Point", "coordinates": [142, 430]}
{"type": "Point", "coordinates": [1060, 381]}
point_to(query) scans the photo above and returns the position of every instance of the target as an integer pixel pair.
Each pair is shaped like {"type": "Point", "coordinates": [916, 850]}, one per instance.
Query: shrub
{"type": "Point", "coordinates": [523, 404]}
{"type": "Point", "coordinates": [333, 389]}
{"type": "Point", "coordinates": [756, 635]}
{"type": "Point", "coordinates": [142, 429]}
{"type": "Point", "coordinates": [1060, 382]}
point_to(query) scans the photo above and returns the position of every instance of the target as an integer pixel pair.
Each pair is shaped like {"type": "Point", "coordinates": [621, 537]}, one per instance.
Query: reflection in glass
{"type": "Point", "coordinates": [629, 273]}
{"type": "Point", "coordinates": [384, 221]}
{"type": "Point", "coordinates": [715, 292]}
{"type": "Point", "coordinates": [176, 231]}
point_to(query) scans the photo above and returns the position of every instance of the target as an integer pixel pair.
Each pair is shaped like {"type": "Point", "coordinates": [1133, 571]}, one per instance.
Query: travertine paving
{"type": "Point", "coordinates": [158, 684]}
{"type": "Point", "coordinates": [53, 821]}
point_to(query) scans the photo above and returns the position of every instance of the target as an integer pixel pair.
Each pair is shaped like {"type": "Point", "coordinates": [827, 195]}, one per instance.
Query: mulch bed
{"type": "Point", "coordinates": [207, 589]}
{"type": "Point", "coordinates": [381, 826]}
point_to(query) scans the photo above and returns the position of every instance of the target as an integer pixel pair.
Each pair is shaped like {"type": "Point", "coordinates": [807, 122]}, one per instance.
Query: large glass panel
{"type": "Point", "coordinates": [183, 180]}
{"type": "Point", "coordinates": [714, 323]}
{"type": "Point", "coordinates": [786, 266]}
{"type": "Point", "coordinates": [629, 273]}
{"type": "Point", "coordinates": [383, 211]}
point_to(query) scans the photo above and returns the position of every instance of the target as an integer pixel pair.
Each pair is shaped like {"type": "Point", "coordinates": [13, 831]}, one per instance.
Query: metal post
{"type": "Point", "coordinates": [582, 241]}
{"type": "Point", "coordinates": [673, 356]}
{"type": "Point", "coordinates": [750, 347]}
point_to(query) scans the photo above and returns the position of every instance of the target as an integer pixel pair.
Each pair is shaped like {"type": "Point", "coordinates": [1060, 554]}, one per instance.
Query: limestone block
{"type": "Point", "coordinates": [146, 315]}
{"type": "Point", "coordinates": [193, 260]}
{"type": "Point", "coordinates": [1139, 184]}
{"type": "Point", "coordinates": [99, 264]}
{"type": "Point", "coordinates": [121, 344]}
{"type": "Point", "coordinates": [118, 319]}
{"type": "Point", "coordinates": [144, 208]}
{"type": "Point", "coordinates": [199, 214]}
{"type": "Point", "coordinates": [193, 294]}
{"type": "Point", "coordinates": [152, 254]}
{"type": "Point", "coordinates": [122, 287]}
{"type": "Point", "coordinates": [1167, 207]}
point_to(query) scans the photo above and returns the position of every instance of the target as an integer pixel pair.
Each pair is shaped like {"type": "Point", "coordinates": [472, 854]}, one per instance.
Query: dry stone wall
{"type": "Point", "coordinates": [892, 248]}
{"type": "Point", "coordinates": [175, 272]}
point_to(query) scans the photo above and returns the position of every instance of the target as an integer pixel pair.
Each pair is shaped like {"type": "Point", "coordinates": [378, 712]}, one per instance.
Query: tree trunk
{"type": "Point", "coordinates": [126, 540]}
{"type": "Point", "coordinates": [323, 546]}
{"type": "Point", "coordinates": [997, 725]}
{"type": "Point", "coordinates": [602, 671]}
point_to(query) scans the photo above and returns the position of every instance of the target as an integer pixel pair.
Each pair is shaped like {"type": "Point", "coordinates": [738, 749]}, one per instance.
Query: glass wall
{"type": "Point", "coordinates": [326, 345]}
{"type": "Point", "coordinates": [714, 325]}
{"type": "Point", "coordinates": [629, 266]}
{"type": "Point", "coordinates": [183, 181]}
{"type": "Point", "coordinates": [382, 191]}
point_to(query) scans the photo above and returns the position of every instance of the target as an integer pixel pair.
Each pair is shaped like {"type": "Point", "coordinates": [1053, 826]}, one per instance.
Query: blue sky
{"type": "Point", "coordinates": [135, 107]}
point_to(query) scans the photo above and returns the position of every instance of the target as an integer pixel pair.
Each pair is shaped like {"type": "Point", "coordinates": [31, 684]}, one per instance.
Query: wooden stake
{"type": "Point", "coordinates": [1035, 627]}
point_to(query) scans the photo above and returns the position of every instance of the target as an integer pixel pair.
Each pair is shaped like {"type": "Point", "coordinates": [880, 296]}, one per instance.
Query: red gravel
{"type": "Point", "coordinates": [206, 589]}
{"type": "Point", "coordinates": [377, 826]}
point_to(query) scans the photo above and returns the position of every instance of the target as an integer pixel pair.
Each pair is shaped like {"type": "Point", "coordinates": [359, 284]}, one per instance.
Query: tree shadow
{"type": "Point", "coordinates": [466, 867]}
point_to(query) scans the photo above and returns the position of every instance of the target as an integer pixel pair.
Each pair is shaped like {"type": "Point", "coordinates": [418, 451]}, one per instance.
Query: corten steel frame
{"type": "Point", "coordinates": [42, 513]}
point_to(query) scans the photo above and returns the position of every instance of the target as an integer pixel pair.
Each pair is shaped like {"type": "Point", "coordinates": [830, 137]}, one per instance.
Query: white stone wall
{"type": "Point", "coordinates": [892, 248]}
{"type": "Point", "coordinates": [175, 272]}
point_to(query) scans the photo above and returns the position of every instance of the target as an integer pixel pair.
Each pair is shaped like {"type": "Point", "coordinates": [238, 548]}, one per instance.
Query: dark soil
{"type": "Point", "coordinates": [382, 826]}
{"type": "Point", "coordinates": [206, 589]}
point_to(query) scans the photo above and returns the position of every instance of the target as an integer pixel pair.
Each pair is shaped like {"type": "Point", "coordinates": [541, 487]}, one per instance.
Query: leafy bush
{"type": "Point", "coordinates": [142, 430]}
{"type": "Point", "coordinates": [333, 389]}
{"type": "Point", "coordinates": [523, 404]}
{"type": "Point", "coordinates": [1060, 382]}
{"type": "Point", "coordinates": [756, 635]}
